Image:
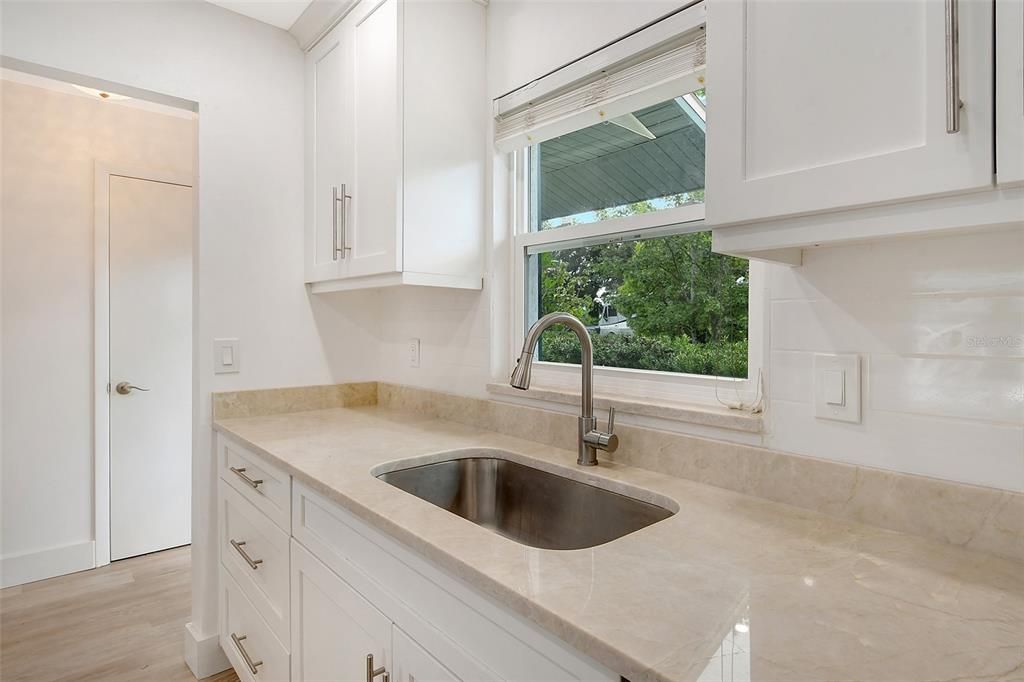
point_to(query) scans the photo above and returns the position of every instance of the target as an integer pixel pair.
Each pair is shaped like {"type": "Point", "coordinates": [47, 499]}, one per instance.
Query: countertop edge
{"type": "Point", "coordinates": [523, 607]}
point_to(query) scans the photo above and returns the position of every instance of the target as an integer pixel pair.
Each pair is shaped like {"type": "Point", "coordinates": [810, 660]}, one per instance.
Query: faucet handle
{"type": "Point", "coordinates": [611, 420]}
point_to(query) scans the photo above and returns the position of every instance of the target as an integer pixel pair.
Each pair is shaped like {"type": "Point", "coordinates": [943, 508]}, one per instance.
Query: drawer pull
{"type": "Point", "coordinates": [252, 483]}
{"type": "Point", "coordinates": [253, 563]}
{"type": "Point", "coordinates": [372, 672]}
{"type": "Point", "coordinates": [245, 654]}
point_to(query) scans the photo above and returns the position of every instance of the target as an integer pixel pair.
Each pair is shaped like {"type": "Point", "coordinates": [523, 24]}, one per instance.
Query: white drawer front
{"type": "Point", "coordinates": [243, 633]}
{"type": "Point", "coordinates": [255, 551]}
{"type": "Point", "coordinates": [263, 484]}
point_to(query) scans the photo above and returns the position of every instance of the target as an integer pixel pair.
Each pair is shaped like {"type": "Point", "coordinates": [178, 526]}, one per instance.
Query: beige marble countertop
{"type": "Point", "coordinates": [730, 587]}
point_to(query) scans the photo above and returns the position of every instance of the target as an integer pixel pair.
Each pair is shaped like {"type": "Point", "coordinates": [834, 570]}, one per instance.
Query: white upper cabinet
{"type": "Point", "coordinates": [817, 106]}
{"type": "Point", "coordinates": [1010, 91]}
{"type": "Point", "coordinates": [374, 230]}
{"type": "Point", "coordinates": [330, 130]}
{"type": "Point", "coordinates": [396, 139]}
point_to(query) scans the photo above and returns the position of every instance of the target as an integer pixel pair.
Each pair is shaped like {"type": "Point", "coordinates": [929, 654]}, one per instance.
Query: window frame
{"type": "Point", "coordinates": [639, 384]}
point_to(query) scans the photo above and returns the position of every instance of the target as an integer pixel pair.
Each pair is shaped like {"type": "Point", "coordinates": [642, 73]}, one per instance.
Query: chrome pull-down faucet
{"type": "Point", "coordinates": [590, 439]}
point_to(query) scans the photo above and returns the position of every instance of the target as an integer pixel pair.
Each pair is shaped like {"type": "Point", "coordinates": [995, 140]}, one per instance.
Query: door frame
{"type": "Point", "coordinates": [101, 333]}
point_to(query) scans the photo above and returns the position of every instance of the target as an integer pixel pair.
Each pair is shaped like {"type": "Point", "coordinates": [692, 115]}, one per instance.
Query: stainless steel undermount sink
{"type": "Point", "coordinates": [528, 505]}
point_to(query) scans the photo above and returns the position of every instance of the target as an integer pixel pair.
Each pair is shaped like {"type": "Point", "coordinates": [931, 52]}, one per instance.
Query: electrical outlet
{"type": "Point", "coordinates": [414, 352]}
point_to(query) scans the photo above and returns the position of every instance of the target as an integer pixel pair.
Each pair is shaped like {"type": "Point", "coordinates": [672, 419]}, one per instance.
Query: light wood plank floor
{"type": "Point", "coordinates": [123, 622]}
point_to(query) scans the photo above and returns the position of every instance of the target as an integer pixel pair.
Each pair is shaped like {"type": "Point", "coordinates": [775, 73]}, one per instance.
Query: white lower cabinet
{"type": "Point", "coordinates": [255, 653]}
{"type": "Point", "coordinates": [349, 592]}
{"type": "Point", "coordinates": [337, 631]}
{"type": "Point", "coordinates": [414, 664]}
{"type": "Point", "coordinates": [334, 628]}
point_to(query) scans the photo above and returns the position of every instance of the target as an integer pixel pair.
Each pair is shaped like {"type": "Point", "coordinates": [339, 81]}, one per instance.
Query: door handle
{"type": "Point", "coordinates": [124, 388]}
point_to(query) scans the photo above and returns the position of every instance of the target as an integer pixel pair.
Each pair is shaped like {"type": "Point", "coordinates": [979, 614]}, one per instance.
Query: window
{"type": "Point", "coordinates": [665, 302]}
{"type": "Point", "coordinates": [609, 227]}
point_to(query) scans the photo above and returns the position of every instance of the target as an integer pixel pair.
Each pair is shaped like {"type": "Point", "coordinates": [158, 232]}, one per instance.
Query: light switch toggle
{"type": "Point", "coordinates": [226, 358]}
{"type": "Point", "coordinates": [837, 379]}
{"type": "Point", "coordinates": [834, 387]}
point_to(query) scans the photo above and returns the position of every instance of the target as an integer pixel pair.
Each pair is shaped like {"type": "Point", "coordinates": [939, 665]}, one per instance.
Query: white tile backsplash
{"type": "Point", "coordinates": [453, 328]}
{"type": "Point", "coordinates": [988, 389]}
{"type": "Point", "coordinates": [937, 321]}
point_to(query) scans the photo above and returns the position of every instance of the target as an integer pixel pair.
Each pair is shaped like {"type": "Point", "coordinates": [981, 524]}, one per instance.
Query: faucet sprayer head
{"type": "Point", "coordinates": [521, 374]}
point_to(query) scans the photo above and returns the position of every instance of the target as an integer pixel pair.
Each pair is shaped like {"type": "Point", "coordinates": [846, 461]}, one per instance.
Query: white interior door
{"type": "Point", "coordinates": [150, 227]}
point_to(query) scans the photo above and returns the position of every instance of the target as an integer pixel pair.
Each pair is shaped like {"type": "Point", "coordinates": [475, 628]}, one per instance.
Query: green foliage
{"type": "Point", "coordinates": [563, 289]}
{"type": "Point", "coordinates": [679, 354]}
{"type": "Point", "coordinates": [676, 286]}
{"type": "Point", "coordinates": [686, 305]}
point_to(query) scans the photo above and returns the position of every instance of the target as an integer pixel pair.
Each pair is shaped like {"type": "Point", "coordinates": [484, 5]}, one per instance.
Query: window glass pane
{"type": "Point", "coordinates": [666, 303]}
{"type": "Point", "coordinates": [649, 160]}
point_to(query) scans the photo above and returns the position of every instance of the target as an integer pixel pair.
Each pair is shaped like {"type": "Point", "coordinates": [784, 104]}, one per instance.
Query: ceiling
{"type": "Point", "coordinates": [609, 165]}
{"type": "Point", "coordinates": [280, 13]}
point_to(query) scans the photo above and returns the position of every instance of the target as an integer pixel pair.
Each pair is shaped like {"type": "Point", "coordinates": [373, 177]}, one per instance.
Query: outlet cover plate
{"type": "Point", "coordinates": [830, 368]}
{"type": "Point", "coordinates": [414, 353]}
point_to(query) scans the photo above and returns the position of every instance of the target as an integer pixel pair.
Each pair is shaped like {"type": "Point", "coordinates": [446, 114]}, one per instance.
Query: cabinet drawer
{"type": "Point", "coordinates": [255, 552]}
{"type": "Point", "coordinates": [263, 484]}
{"type": "Point", "coordinates": [247, 639]}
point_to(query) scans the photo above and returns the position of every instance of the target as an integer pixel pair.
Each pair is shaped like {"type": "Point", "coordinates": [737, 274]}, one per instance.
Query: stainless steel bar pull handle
{"type": "Point", "coordinates": [245, 654]}
{"type": "Point", "coordinates": [253, 563]}
{"type": "Point", "coordinates": [251, 482]}
{"type": "Point", "coordinates": [340, 248]}
{"type": "Point", "coordinates": [334, 222]}
{"type": "Point", "coordinates": [372, 672]}
{"type": "Point", "coordinates": [953, 102]}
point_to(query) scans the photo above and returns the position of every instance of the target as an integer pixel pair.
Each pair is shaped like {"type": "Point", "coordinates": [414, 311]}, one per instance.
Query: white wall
{"type": "Point", "coordinates": [52, 141]}
{"type": "Point", "coordinates": [248, 80]}
{"type": "Point", "coordinates": [931, 407]}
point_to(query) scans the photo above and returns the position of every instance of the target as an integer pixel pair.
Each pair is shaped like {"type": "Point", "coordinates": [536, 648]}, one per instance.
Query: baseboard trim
{"type": "Point", "coordinates": [29, 567]}
{"type": "Point", "coordinates": [203, 655]}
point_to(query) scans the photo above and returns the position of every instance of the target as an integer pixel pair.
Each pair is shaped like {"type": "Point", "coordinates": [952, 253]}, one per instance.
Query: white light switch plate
{"type": "Point", "coordinates": [837, 387]}
{"type": "Point", "coordinates": [227, 358]}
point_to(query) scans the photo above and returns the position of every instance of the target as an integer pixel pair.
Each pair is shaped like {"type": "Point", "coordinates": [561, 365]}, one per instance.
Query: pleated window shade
{"type": "Point", "coordinates": [614, 91]}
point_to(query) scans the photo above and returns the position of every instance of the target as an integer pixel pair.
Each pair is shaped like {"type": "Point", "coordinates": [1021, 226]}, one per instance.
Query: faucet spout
{"type": "Point", "coordinates": [590, 439]}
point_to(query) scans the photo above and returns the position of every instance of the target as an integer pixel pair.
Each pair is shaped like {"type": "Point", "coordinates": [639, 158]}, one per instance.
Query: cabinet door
{"type": "Point", "coordinates": [333, 627]}
{"type": "Point", "coordinates": [815, 106]}
{"type": "Point", "coordinates": [329, 152]}
{"type": "Point", "coordinates": [1009, 91]}
{"type": "Point", "coordinates": [374, 228]}
{"type": "Point", "coordinates": [413, 664]}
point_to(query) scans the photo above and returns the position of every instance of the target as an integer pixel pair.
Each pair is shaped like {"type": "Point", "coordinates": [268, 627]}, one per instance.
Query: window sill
{"type": "Point", "coordinates": [703, 415]}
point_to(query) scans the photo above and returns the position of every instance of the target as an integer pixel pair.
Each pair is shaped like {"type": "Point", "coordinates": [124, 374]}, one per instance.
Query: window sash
{"type": "Point", "coordinates": [638, 383]}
